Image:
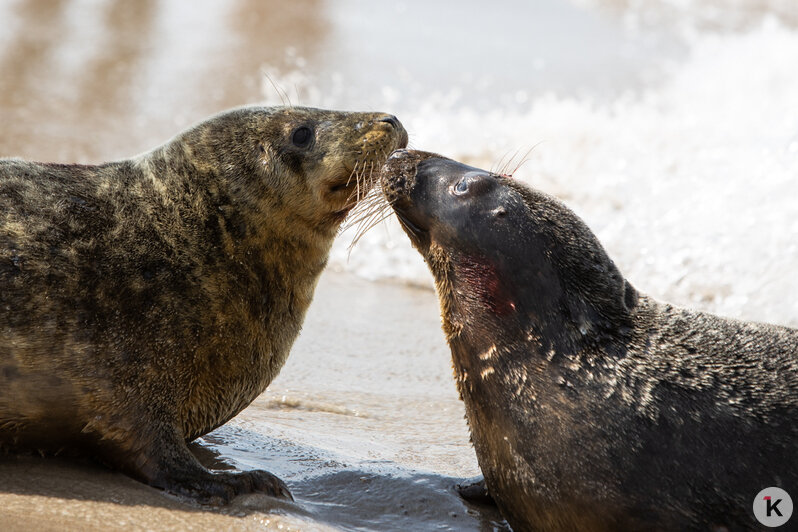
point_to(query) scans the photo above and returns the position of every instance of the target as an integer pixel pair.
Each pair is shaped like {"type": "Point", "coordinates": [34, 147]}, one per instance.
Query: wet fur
{"type": "Point", "coordinates": [591, 406]}
{"type": "Point", "coordinates": [145, 302]}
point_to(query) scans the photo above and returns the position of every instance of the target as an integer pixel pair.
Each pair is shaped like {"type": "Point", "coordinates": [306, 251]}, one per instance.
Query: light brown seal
{"type": "Point", "coordinates": [147, 301]}
{"type": "Point", "coordinates": [592, 406]}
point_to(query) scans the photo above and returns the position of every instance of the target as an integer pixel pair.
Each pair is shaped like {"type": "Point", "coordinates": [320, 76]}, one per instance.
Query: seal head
{"type": "Point", "coordinates": [475, 229]}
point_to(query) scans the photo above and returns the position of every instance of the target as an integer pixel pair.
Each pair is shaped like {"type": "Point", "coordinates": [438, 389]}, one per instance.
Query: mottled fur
{"type": "Point", "coordinates": [591, 406]}
{"type": "Point", "coordinates": [145, 302]}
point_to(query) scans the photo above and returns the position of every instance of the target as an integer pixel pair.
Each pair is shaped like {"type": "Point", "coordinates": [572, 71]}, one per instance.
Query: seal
{"type": "Point", "coordinates": [145, 302]}
{"type": "Point", "coordinates": [592, 406]}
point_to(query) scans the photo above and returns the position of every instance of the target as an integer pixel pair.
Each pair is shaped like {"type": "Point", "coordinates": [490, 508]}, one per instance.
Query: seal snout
{"type": "Point", "coordinates": [399, 154]}
{"type": "Point", "coordinates": [398, 175]}
{"type": "Point", "coordinates": [396, 125]}
{"type": "Point", "coordinates": [392, 120]}
{"type": "Point", "coordinates": [392, 178]}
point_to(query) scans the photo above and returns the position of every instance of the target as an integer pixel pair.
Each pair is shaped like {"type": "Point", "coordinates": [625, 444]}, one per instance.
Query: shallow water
{"type": "Point", "coordinates": [364, 423]}
{"type": "Point", "coordinates": [671, 126]}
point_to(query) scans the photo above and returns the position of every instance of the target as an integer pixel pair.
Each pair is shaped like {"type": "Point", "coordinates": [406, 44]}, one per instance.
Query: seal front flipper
{"type": "Point", "coordinates": [166, 463]}
{"type": "Point", "coordinates": [475, 491]}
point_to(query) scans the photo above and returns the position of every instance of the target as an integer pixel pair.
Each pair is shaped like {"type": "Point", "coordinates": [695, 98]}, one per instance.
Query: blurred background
{"type": "Point", "coordinates": [670, 126]}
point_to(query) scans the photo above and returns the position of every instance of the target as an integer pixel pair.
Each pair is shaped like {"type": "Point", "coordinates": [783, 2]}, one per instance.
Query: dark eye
{"type": "Point", "coordinates": [301, 137]}
{"type": "Point", "coordinates": [461, 187]}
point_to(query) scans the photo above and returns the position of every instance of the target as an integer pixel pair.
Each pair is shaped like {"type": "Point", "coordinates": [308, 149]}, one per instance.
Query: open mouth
{"type": "Point", "coordinates": [347, 185]}
{"type": "Point", "coordinates": [354, 180]}
{"type": "Point", "coordinates": [348, 191]}
{"type": "Point", "coordinates": [410, 226]}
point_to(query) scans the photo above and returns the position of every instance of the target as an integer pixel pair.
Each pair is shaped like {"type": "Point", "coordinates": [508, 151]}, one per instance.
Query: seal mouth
{"type": "Point", "coordinates": [349, 184]}
{"type": "Point", "coordinates": [345, 192]}
{"type": "Point", "coordinates": [398, 178]}
{"type": "Point", "coordinates": [356, 180]}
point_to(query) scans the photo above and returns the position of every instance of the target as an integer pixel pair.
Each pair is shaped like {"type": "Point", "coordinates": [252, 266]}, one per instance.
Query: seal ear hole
{"type": "Point", "coordinates": [302, 136]}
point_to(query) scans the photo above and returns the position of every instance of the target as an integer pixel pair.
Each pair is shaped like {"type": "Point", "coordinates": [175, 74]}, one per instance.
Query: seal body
{"type": "Point", "coordinates": [592, 406]}
{"type": "Point", "coordinates": [145, 302]}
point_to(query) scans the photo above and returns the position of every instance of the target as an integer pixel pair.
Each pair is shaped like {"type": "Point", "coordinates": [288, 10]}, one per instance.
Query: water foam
{"type": "Point", "coordinates": [691, 185]}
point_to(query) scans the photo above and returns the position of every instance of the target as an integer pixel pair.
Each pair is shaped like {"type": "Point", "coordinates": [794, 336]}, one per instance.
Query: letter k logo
{"type": "Point", "coordinates": [772, 506]}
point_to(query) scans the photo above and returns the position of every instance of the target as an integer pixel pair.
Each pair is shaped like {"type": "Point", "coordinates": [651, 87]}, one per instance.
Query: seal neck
{"type": "Point", "coordinates": [249, 228]}
{"type": "Point", "coordinates": [538, 312]}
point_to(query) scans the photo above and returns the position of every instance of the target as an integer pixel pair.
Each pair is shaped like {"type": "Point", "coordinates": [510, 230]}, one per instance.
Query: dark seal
{"type": "Point", "coordinates": [592, 406]}
{"type": "Point", "coordinates": [145, 302]}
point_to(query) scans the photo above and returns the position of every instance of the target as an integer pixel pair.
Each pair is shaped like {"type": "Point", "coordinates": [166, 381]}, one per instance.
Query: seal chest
{"type": "Point", "coordinates": [592, 406]}
{"type": "Point", "coordinates": [145, 302]}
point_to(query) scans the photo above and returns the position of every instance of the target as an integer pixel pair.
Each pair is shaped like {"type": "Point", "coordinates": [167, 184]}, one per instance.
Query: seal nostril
{"type": "Point", "coordinates": [390, 119]}
{"type": "Point", "coordinates": [398, 154]}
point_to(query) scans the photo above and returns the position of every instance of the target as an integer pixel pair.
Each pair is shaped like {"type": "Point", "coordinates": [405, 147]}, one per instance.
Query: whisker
{"type": "Point", "coordinates": [370, 203]}
{"type": "Point", "coordinates": [525, 158]}
{"type": "Point", "coordinates": [365, 228]}
{"type": "Point", "coordinates": [370, 180]}
{"type": "Point", "coordinates": [352, 173]}
{"type": "Point", "coordinates": [298, 95]}
{"type": "Point", "coordinates": [362, 217]}
{"type": "Point", "coordinates": [506, 165]}
{"type": "Point", "coordinates": [376, 218]}
{"type": "Point", "coordinates": [374, 202]}
{"type": "Point", "coordinates": [365, 210]}
{"type": "Point", "coordinates": [495, 167]}
{"type": "Point", "coordinates": [281, 94]}
{"type": "Point", "coordinates": [357, 186]}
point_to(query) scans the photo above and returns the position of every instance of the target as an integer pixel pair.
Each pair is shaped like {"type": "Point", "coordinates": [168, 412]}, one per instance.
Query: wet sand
{"type": "Point", "coordinates": [57, 495]}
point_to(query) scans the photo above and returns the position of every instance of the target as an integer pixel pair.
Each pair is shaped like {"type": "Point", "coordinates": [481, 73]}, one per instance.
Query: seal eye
{"type": "Point", "coordinates": [301, 137]}
{"type": "Point", "coordinates": [461, 187]}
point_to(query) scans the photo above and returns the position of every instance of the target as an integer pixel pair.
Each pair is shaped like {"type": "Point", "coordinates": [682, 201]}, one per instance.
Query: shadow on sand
{"type": "Point", "coordinates": [369, 496]}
